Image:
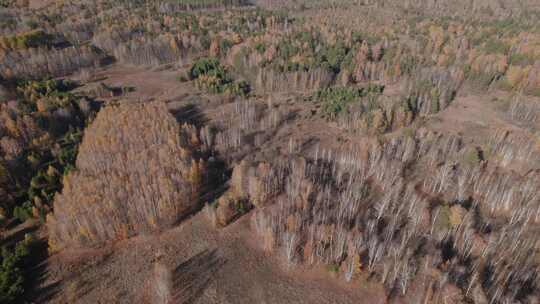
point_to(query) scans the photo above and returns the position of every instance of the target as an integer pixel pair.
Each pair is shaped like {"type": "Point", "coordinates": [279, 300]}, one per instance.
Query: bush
{"type": "Point", "coordinates": [12, 272]}
{"type": "Point", "coordinates": [210, 75]}
{"type": "Point", "coordinates": [225, 45]}
{"type": "Point", "coordinates": [4, 93]}
{"type": "Point", "coordinates": [23, 212]}
{"type": "Point", "coordinates": [495, 46]}
{"type": "Point", "coordinates": [207, 66]}
{"type": "Point", "coordinates": [5, 3]}
{"type": "Point", "coordinates": [239, 88]}
{"type": "Point", "coordinates": [333, 268]}
{"type": "Point", "coordinates": [32, 39]}
{"type": "Point", "coordinates": [260, 48]}
{"type": "Point", "coordinates": [335, 100]}
{"type": "Point", "coordinates": [521, 59]}
{"type": "Point", "coordinates": [533, 91]}
{"type": "Point", "coordinates": [182, 78]}
{"type": "Point", "coordinates": [335, 55]}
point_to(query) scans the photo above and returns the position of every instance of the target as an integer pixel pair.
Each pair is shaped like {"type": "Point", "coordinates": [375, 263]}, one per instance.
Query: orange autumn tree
{"type": "Point", "coordinates": [135, 173]}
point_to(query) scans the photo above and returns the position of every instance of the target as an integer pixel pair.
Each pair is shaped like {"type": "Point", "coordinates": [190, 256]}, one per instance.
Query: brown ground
{"type": "Point", "coordinates": [473, 116]}
{"type": "Point", "coordinates": [37, 4]}
{"type": "Point", "coordinates": [215, 266]}
{"type": "Point", "coordinates": [227, 265]}
{"type": "Point", "coordinates": [148, 84]}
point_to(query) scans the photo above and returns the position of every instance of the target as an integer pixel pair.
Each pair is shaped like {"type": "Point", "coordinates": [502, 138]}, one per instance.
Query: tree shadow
{"type": "Point", "coordinates": [190, 114]}
{"type": "Point", "coordinates": [192, 277]}
{"type": "Point", "coordinates": [217, 173]}
{"type": "Point", "coordinates": [17, 236]}
{"type": "Point", "coordinates": [37, 274]}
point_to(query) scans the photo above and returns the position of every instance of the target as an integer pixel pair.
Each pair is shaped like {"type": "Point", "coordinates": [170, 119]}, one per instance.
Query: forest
{"type": "Point", "coordinates": [252, 151]}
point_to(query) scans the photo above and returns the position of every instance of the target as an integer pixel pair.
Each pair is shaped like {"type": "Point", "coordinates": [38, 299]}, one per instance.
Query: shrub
{"type": "Point", "coordinates": [32, 39]}
{"type": "Point", "coordinates": [335, 100]}
{"type": "Point", "coordinates": [521, 59]}
{"type": "Point", "coordinates": [210, 75]}
{"type": "Point", "coordinates": [182, 78]}
{"type": "Point", "coordinates": [207, 66]}
{"type": "Point", "coordinates": [260, 47]}
{"type": "Point", "coordinates": [239, 88]}
{"type": "Point", "coordinates": [23, 212]}
{"type": "Point", "coordinates": [333, 268]}
{"type": "Point", "coordinates": [12, 272]}
{"type": "Point", "coordinates": [4, 93]}
{"type": "Point", "coordinates": [495, 46]}
{"type": "Point", "coordinates": [533, 91]}
{"type": "Point", "coordinates": [335, 55]}
{"type": "Point", "coordinates": [225, 45]}
{"type": "Point", "coordinates": [443, 222]}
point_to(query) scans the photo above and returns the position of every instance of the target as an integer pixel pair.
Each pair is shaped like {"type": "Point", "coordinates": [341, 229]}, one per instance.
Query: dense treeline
{"type": "Point", "coordinates": [135, 173]}
{"type": "Point", "coordinates": [41, 124]}
{"type": "Point", "coordinates": [40, 130]}
{"type": "Point", "coordinates": [277, 52]}
{"type": "Point", "coordinates": [351, 211]}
